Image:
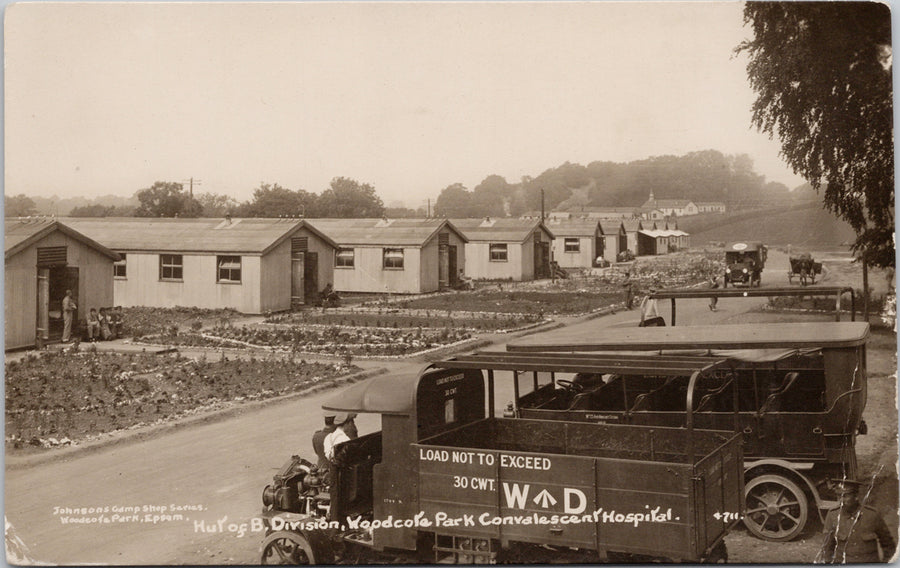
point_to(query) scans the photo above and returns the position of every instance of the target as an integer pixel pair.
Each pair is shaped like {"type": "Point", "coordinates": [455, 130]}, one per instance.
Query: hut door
{"type": "Point", "coordinates": [444, 273]}
{"type": "Point", "coordinates": [297, 272]}
{"type": "Point", "coordinates": [541, 259]}
{"type": "Point", "coordinates": [452, 266]}
{"type": "Point", "coordinates": [43, 304]}
{"type": "Point", "coordinates": [443, 266]}
{"type": "Point", "coordinates": [311, 277]}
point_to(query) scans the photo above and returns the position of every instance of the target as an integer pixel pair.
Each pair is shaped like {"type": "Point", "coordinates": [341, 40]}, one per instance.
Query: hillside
{"type": "Point", "coordinates": [804, 225]}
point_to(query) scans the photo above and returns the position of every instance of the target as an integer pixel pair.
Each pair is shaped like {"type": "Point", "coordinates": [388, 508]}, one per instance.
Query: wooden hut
{"type": "Point", "coordinates": [506, 249]}
{"type": "Point", "coordinates": [395, 256]}
{"type": "Point", "coordinates": [44, 258]}
{"type": "Point", "coordinates": [250, 265]}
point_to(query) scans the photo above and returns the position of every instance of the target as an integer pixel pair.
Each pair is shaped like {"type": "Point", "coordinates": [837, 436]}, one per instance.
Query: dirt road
{"type": "Point", "coordinates": [190, 496]}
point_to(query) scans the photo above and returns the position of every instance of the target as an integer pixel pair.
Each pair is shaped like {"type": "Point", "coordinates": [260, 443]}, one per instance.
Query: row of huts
{"type": "Point", "coordinates": [260, 265]}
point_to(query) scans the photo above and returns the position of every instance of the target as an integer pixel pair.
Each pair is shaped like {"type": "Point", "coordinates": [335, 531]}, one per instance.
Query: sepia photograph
{"type": "Point", "coordinates": [382, 283]}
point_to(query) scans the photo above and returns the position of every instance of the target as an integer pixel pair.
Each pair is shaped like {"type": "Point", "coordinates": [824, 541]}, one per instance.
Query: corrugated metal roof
{"type": "Point", "coordinates": [632, 225]}
{"type": "Point", "coordinates": [574, 227]}
{"type": "Point", "coordinates": [21, 232]}
{"type": "Point", "coordinates": [610, 227]}
{"type": "Point", "coordinates": [502, 229]}
{"type": "Point", "coordinates": [189, 235]}
{"type": "Point", "coordinates": [379, 232]}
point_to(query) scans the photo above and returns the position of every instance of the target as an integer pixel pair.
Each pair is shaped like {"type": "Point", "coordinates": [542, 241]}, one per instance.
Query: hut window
{"type": "Point", "coordinates": [119, 268]}
{"type": "Point", "coordinates": [572, 245]}
{"type": "Point", "coordinates": [344, 258]}
{"type": "Point", "coordinates": [393, 258]}
{"type": "Point", "coordinates": [170, 267]}
{"type": "Point", "coordinates": [229, 268]}
{"type": "Point", "coordinates": [499, 253]}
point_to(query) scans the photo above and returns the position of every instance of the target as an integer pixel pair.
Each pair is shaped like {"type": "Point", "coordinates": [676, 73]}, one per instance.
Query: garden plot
{"type": "Point", "coordinates": [60, 398]}
{"type": "Point", "coordinates": [393, 317]}
{"type": "Point", "coordinates": [142, 321]}
{"type": "Point", "coordinates": [347, 342]}
{"type": "Point", "coordinates": [578, 295]}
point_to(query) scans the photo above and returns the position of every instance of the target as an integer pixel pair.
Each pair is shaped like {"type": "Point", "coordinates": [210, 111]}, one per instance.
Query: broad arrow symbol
{"type": "Point", "coordinates": [544, 499]}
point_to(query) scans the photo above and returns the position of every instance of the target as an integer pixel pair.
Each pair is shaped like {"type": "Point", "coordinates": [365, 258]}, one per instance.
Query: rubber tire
{"type": "Point", "coordinates": [296, 538]}
{"type": "Point", "coordinates": [798, 494]}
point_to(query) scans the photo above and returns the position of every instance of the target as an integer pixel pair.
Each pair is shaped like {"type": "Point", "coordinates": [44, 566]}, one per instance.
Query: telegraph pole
{"type": "Point", "coordinates": [192, 181]}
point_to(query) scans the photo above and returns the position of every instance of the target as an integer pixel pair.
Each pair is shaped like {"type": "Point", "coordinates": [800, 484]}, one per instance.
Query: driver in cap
{"type": "Point", "coordinates": [345, 431]}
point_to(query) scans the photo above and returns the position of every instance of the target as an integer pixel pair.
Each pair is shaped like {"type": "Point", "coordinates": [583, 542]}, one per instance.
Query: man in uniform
{"type": "Point", "coordinates": [855, 533]}
{"type": "Point", "coordinates": [628, 285]}
{"type": "Point", "coordinates": [318, 439]}
{"type": "Point", "coordinates": [68, 310]}
{"type": "Point", "coordinates": [345, 431]}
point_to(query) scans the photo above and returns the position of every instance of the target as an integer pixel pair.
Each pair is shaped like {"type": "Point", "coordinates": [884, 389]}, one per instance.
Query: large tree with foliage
{"type": "Point", "coordinates": [272, 200]}
{"type": "Point", "coordinates": [454, 201]}
{"type": "Point", "coordinates": [216, 205]}
{"type": "Point", "coordinates": [347, 198]}
{"type": "Point", "coordinates": [166, 199]}
{"type": "Point", "coordinates": [822, 74]}
{"type": "Point", "coordinates": [18, 206]}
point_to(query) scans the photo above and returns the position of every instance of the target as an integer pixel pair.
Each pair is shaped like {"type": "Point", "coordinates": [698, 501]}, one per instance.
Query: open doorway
{"type": "Point", "coordinates": [53, 281]}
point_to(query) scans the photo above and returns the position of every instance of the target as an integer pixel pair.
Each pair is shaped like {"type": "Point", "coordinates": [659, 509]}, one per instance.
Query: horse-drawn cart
{"type": "Point", "coordinates": [805, 268]}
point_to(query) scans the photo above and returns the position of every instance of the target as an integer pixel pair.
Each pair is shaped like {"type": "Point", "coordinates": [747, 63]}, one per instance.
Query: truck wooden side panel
{"type": "Point", "coordinates": [595, 486]}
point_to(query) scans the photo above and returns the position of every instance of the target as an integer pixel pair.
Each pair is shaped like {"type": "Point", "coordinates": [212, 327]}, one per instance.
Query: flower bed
{"type": "Point", "coordinates": [58, 398]}
{"type": "Point", "coordinates": [578, 295]}
{"type": "Point", "coordinates": [408, 319]}
{"type": "Point", "coordinates": [329, 341]}
{"type": "Point", "coordinates": [141, 321]}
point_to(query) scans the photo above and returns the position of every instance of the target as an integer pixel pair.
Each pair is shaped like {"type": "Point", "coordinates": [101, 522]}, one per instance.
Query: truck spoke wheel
{"type": "Point", "coordinates": [286, 548]}
{"type": "Point", "coordinates": [776, 508]}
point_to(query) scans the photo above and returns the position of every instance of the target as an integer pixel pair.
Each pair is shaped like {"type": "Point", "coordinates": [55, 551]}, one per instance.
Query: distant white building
{"type": "Point", "coordinates": [670, 207]}
{"type": "Point", "coordinates": [711, 206]}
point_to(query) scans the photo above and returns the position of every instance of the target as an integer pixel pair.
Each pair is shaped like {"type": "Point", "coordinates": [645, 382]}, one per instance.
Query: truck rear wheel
{"type": "Point", "coordinates": [776, 508]}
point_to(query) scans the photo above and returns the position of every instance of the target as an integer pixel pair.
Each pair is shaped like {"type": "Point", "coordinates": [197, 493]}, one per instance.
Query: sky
{"type": "Point", "coordinates": [107, 98]}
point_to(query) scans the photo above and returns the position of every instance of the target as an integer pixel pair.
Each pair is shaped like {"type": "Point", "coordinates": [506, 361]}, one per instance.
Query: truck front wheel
{"type": "Point", "coordinates": [291, 548]}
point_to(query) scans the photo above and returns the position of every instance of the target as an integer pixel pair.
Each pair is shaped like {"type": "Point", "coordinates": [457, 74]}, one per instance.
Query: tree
{"type": "Point", "coordinates": [491, 196]}
{"type": "Point", "coordinates": [94, 210]}
{"type": "Point", "coordinates": [272, 200]}
{"type": "Point", "coordinates": [216, 205]}
{"type": "Point", "coordinates": [822, 73]}
{"type": "Point", "coordinates": [347, 198]}
{"type": "Point", "coordinates": [19, 206]}
{"type": "Point", "coordinates": [166, 199]}
{"type": "Point", "coordinates": [454, 201]}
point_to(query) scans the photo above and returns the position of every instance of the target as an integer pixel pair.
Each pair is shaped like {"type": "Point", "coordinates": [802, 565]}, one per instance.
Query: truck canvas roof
{"type": "Point", "coordinates": [709, 337]}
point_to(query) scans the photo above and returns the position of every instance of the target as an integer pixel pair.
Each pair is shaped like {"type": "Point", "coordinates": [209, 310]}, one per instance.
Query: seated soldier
{"type": "Point", "coordinates": [93, 325]}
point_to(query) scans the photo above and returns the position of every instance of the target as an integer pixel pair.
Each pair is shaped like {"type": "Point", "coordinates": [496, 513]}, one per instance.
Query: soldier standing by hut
{"type": "Point", "coordinates": [629, 291]}
{"type": "Point", "coordinates": [855, 533]}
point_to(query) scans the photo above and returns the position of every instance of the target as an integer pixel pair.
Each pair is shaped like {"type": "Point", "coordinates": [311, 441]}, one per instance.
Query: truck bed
{"type": "Point", "coordinates": [605, 487]}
